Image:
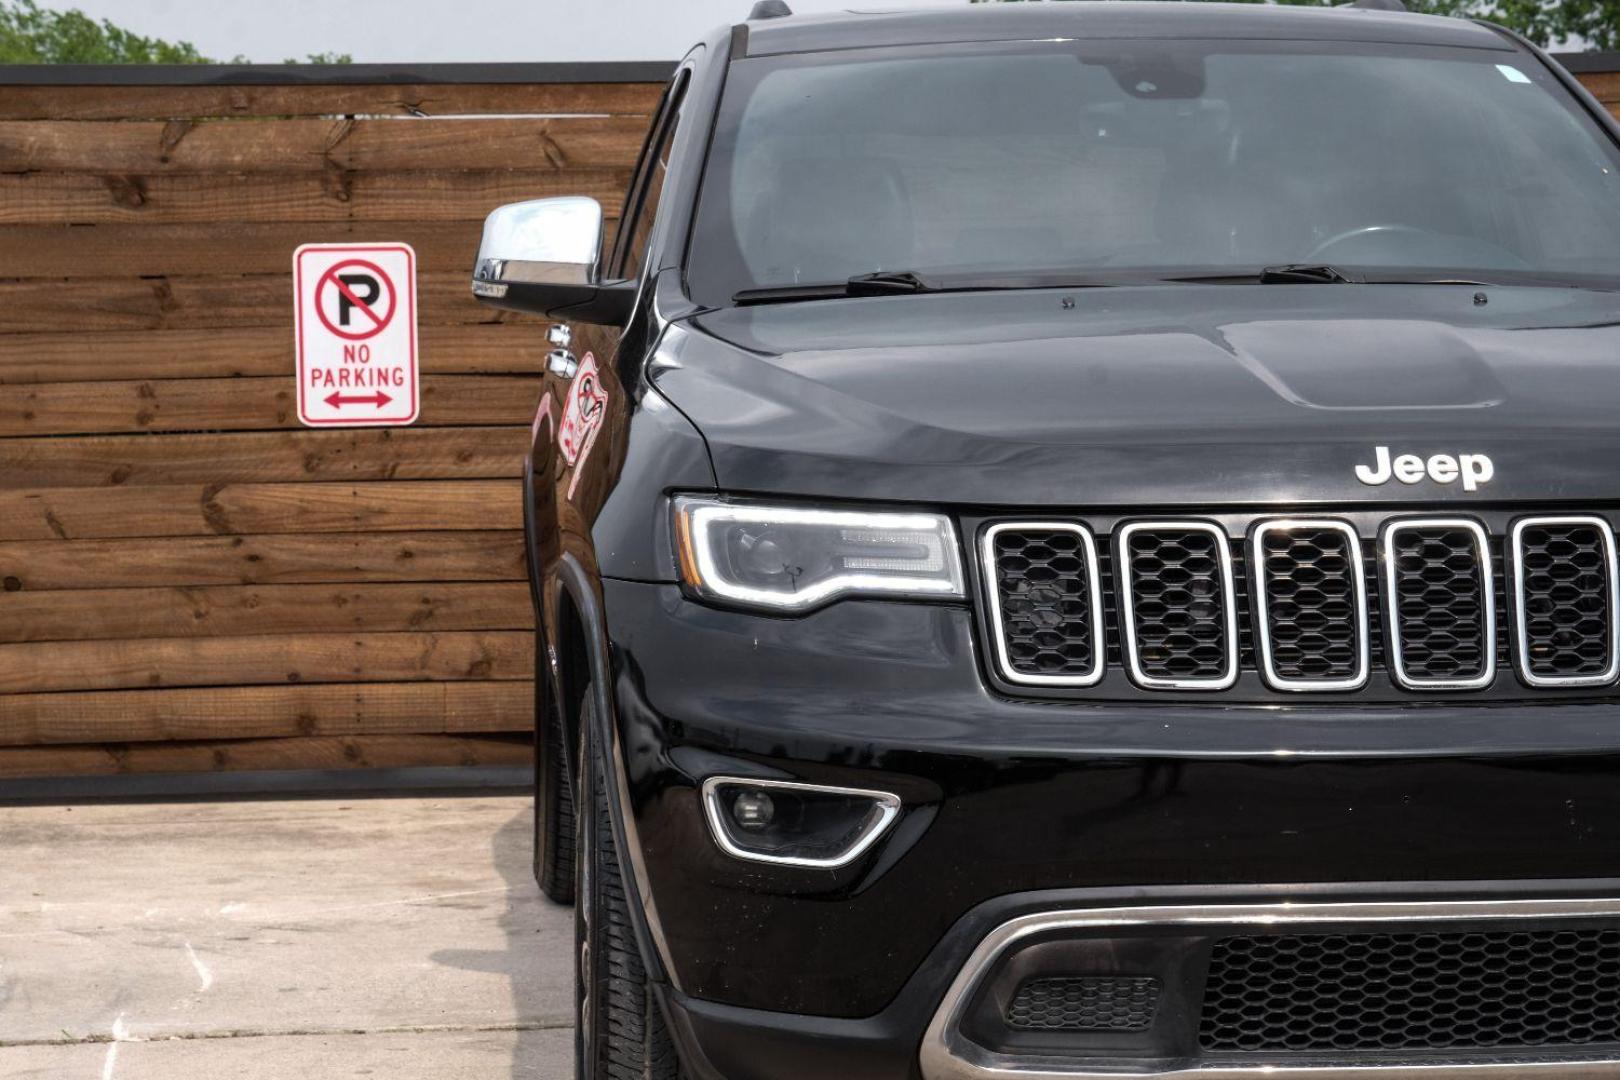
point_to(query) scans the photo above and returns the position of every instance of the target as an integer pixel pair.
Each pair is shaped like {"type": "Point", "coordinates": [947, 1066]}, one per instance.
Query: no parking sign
{"type": "Point", "coordinates": [354, 313]}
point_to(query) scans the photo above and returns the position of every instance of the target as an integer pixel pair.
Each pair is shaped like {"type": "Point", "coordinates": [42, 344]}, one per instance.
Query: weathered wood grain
{"type": "Point", "coordinates": [337, 558]}
{"type": "Point", "coordinates": [315, 145]}
{"type": "Point", "coordinates": [190, 102]}
{"type": "Point", "coordinates": [189, 580]}
{"type": "Point", "coordinates": [264, 457]}
{"type": "Point", "coordinates": [357, 752]}
{"type": "Point", "coordinates": [369, 199]}
{"type": "Point", "coordinates": [269, 660]}
{"type": "Point", "coordinates": [251, 610]}
{"type": "Point", "coordinates": [245, 509]}
{"type": "Point", "coordinates": [260, 712]}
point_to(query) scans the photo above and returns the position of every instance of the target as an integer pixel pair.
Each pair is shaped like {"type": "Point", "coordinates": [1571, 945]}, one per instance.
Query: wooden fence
{"type": "Point", "coordinates": [189, 579]}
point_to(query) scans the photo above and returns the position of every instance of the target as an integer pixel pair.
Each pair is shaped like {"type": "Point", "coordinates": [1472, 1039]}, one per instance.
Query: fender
{"type": "Point", "coordinates": [572, 578]}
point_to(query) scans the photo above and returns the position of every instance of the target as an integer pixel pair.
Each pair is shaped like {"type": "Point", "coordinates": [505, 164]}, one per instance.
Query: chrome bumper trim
{"type": "Point", "coordinates": [947, 1055]}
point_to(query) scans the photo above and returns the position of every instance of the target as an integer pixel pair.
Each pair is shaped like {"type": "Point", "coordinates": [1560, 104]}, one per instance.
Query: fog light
{"type": "Point", "coordinates": [753, 809]}
{"type": "Point", "coordinates": [792, 824]}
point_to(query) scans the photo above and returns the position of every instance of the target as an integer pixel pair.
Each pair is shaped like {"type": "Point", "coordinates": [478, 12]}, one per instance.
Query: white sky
{"type": "Point", "coordinates": [424, 31]}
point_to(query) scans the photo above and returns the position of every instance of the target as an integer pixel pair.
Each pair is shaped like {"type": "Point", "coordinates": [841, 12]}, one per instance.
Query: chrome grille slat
{"type": "Point", "coordinates": [1566, 600]}
{"type": "Point", "coordinates": [1445, 567]}
{"type": "Point", "coordinates": [1042, 588]}
{"type": "Point", "coordinates": [1310, 622]}
{"type": "Point", "coordinates": [1178, 605]}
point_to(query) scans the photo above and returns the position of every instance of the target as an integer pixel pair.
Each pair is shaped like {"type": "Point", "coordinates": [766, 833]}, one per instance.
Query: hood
{"type": "Point", "coordinates": [1159, 395]}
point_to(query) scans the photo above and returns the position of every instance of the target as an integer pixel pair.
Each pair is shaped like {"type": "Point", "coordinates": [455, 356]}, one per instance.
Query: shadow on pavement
{"type": "Point", "coordinates": [541, 1051]}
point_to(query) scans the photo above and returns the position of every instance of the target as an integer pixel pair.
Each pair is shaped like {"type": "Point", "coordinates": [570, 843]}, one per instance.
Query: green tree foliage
{"type": "Point", "coordinates": [1546, 22]}
{"type": "Point", "coordinates": [30, 34]}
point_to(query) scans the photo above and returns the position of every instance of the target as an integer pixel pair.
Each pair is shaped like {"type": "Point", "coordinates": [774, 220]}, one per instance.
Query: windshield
{"type": "Point", "coordinates": [1123, 159]}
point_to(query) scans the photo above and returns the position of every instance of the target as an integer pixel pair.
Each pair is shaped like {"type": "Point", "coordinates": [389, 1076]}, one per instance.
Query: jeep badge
{"type": "Point", "coordinates": [1472, 469]}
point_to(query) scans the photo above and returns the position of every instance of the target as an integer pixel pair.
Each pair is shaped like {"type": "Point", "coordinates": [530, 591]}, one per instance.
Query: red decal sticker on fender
{"type": "Point", "coordinates": [583, 412]}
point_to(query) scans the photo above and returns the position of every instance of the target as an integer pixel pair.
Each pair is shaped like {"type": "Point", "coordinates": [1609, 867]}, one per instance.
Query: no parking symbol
{"type": "Point", "coordinates": [355, 316]}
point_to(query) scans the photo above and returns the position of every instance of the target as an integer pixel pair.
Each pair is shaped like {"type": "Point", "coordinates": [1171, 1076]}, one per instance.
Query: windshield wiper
{"type": "Point", "coordinates": [1307, 274]}
{"type": "Point", "coordinates": [1319, 274]}
{"type": "Point", "coordinates": [1285, 274]}
{"type": "Point", "coordinates": [882, 283]}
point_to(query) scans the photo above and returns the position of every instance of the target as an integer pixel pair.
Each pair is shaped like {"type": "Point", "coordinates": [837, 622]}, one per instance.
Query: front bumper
{"type": "Point", "coordinates": [1008, 798]}
{"type": "Point", "coordinates": [919, 1035]}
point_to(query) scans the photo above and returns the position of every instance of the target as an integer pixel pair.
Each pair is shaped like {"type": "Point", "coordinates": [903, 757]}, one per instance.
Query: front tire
{"type": "Point", "coordinates": [619, 1032]}
{"type": "Point", "coordinates": [554, 826]}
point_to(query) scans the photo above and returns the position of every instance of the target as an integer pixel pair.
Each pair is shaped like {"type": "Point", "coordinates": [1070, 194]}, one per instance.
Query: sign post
{"type": "Point", "coordinates": [354, 313]}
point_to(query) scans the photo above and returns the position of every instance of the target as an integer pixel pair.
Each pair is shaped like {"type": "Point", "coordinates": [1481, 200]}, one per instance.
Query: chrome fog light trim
{"type": "Point", "coordinates": [885, 811]}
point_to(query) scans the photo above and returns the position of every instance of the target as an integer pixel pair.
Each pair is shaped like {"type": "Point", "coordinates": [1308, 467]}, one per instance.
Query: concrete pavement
{"type": "Point", "coordinates": [398, 938]}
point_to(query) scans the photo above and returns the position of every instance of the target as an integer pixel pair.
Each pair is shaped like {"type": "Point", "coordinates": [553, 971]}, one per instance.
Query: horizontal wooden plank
{"type": "Point", "coordinates": [272, 659]}
{"type": "Point", "coordinates": [264, 457]}
{"type": "Point", "coordinates": [245, 509]}
{"type": "Point", "coordinates": [254, 404]}
{"type": "Point", "coordinates": [130, 716]}
{"type": "Point", "coordinates": [491, 348]}
{"type": "Point", "coordinates": [217, 302]}
{"type": "Point", "coordinates": [189, 102]}
{"type": "Point", "coordinates": [61, 251]}
{"type": "Point", "coordinates": [357, 752]}
{"type": "Point", "coordinates": [249, 610]}
{"type": "Point", "coordinates": [365, 198]}
{"type": "Point", "coordinates": [261, 712]}
{"type": "Point", "coordinates": [277, 145]}
{"type": "Point", "coordinates": [295, 558]}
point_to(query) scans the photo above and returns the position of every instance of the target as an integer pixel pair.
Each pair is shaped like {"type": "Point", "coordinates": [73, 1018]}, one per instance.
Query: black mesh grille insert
{"type": "Point", "coordinates": [1413, 991]}
{"type": "Point", "coordinates": [1440, 605]}
{"type": "Point", "coordinates": [1042, 582]}
{"type": "Point", "coordinates": [1308, 576]}
{"type": "Point", "coordinates": [1179, 601]}
{"type": "Point", "coordinates": [1084, 1004]}
{"type": "Point", "coordinates": [1564, 569]}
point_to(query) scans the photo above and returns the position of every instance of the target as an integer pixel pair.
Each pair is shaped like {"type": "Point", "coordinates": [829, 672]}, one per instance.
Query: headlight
{"type": "Point", "coordinates": [791, 559]}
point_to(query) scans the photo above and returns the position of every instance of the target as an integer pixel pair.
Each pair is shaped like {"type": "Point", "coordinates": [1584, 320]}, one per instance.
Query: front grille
{"type": "Point", "coordinates": [1441, 607]}
{"type": "Point", "coordinates": [1412, 991]}
{"type": "Point", "coordinates": [1044, 601]}
{"type": "Point", "coordinates": [1564, 571]}
{"type": "Point", "coordinates": [1277, 604]}
{"type": "Point", "coordinates": [1313, 620]}
{"type": "Point", "coordinates": [1085, 1003]}
{"type": "Point", "coordinates": [1180, 620]}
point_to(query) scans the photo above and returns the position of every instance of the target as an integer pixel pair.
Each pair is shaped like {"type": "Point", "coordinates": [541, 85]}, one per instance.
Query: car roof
{"type": "Point", "coordinates": [1102, 19]}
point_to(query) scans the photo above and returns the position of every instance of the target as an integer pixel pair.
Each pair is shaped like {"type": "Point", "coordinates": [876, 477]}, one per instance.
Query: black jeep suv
{"type": "Point", "coordinates": [1077, 541]}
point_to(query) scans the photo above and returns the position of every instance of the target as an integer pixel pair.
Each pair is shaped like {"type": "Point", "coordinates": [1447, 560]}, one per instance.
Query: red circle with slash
{"type": "Point", "coordinates": [378, 322]}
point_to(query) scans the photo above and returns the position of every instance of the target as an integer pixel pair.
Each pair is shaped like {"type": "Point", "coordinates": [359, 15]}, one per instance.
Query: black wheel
{"type": "Point", "coordinates": [619, 1032]}
{"type": "Point", "coordinates": [554, 827]}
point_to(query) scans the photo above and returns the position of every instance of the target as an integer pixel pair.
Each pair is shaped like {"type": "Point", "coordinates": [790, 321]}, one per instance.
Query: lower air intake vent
{"type": "Point", "coordinates": [1564, 579]}
{"type": "Point", "coordinates": [1442, 616]}
{"type": "Point", "coordinates": [1084, 1004]}
{"type": "Point", "coordinates": [1179, 616]}
{"type": "Point", "coordinates": [1413, 991]}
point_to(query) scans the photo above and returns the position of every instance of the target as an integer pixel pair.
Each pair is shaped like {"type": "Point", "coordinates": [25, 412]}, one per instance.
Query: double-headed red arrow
{"type": "Point", "coordinates": [377, 400]}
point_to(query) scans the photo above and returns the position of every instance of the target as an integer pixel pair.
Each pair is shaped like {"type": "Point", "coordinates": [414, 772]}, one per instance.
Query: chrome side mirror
{"type": "Point", "coordinates": [543, 257]}
{"type": "Point", "coordinates": [543, 242]}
